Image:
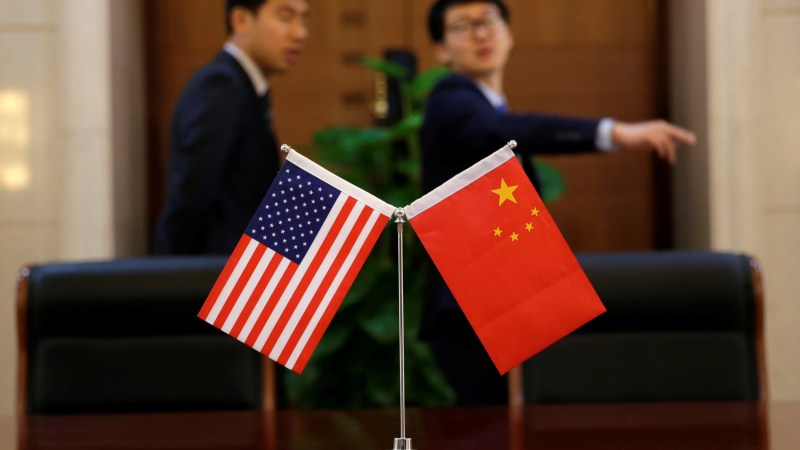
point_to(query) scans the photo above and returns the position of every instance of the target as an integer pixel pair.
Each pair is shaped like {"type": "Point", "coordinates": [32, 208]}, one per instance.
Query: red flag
{"type": "Point", "coordinates": [295, 262]}
{"type": "Point", "coordinates": [504, 259]}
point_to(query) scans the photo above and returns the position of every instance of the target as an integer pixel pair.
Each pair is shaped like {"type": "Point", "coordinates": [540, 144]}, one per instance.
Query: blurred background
{"type": "Point", "coordinates": [87, 89]}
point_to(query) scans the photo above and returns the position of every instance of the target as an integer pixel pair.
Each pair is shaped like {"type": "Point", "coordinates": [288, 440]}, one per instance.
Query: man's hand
{"type": "Point", "coordinates": [657, 135]}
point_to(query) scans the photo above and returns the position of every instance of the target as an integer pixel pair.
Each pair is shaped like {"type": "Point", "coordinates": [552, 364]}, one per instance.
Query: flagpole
{"type": "Point", "coordinates": [401, 443]}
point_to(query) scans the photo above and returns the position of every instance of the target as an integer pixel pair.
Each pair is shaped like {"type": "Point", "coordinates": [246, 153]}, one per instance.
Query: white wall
{"type": "Point", "coordinates": [71, 142]}
{"type": "Point", "coordinates": [736, 80]}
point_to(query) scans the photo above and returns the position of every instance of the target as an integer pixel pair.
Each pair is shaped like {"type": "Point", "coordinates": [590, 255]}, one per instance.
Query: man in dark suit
{"type": "Point", "coordinates": [466, 119]}
{"type": "Point", "coordinates": [224, 153]}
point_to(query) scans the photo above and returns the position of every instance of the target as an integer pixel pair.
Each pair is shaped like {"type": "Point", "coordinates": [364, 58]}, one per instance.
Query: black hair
{"type": "Point", "coordinates": [252, 5]}
{"type": "Point", "coordinates": [440, 7]}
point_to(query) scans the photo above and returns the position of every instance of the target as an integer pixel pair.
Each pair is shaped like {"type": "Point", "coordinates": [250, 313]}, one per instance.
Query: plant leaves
{"type": "Point", "coordinates": [389, 68]}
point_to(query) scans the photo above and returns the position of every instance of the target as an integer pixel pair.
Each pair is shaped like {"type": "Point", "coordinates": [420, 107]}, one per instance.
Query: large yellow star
{"type": "Point", "coordinates": [505, 192]}
{"type": "Point", "coordinates": [497, 231]}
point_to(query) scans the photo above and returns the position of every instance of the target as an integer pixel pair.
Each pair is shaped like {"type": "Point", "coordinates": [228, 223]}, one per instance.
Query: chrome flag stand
{"type": "Point", "coordinates": [401, 443]}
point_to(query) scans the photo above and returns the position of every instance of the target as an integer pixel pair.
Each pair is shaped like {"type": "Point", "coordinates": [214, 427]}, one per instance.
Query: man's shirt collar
{"type": "Point", "coordinates": [260, 82]}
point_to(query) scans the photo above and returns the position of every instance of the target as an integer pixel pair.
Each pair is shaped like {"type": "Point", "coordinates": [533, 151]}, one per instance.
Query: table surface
{"type": "Point", "coordinates": [724, 425]}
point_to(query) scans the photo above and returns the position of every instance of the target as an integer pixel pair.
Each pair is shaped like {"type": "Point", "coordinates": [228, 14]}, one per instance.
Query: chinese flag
{"type": "Point", "coordinates": [504, 259]}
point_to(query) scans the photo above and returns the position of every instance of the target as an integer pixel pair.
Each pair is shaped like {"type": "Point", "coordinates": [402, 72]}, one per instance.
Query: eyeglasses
{"type": "Point", "coordinates": [490, 24]}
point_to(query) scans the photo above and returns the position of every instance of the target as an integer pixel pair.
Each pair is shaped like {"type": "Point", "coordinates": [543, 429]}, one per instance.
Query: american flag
{"type": "Point", "coordinates": [295, 262]}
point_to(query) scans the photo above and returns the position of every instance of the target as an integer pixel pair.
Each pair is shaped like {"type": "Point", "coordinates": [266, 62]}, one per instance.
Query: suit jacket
{"type": "Point", "coordinates": [223, 157]}
{"type": "Point", "coordinates": [461, 127]}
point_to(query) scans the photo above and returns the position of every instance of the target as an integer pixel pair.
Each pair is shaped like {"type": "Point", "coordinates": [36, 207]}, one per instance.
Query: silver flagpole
{"type": "Point", "coordinates": [401, 443]}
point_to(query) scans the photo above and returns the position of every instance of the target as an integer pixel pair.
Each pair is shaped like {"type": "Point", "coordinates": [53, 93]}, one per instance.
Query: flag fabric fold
{"type": "Point", "coordinates": [295, 262]}
{"type": "Point", "coordinates": [504, 259]}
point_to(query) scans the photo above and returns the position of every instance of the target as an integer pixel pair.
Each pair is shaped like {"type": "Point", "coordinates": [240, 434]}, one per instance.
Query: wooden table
{"type": "Point", "coordinates": [599, 426]}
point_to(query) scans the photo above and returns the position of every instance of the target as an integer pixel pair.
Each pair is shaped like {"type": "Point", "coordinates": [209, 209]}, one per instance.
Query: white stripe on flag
{"type": "Point", "coordinates": [231, 282]}
{"type": "Point", "coordinates": [334, 287]}
{"type": "Point", "coordinates": [459, 181]}
{"type": "Point", "coordinates": [311, 290]}
{"type": "Point", "coordinates": [247, 292]}
{"type": "Point", "coordinates": [352, 190]}
{"type": "Point", "coordinates": [300, 272]}
{"type": "Point", "coordinates": [262, 301]}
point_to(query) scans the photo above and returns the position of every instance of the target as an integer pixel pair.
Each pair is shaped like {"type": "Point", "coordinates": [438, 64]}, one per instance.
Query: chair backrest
{"type": "Point", "coordinates": [123, 335]}
{"type": "Point", "coordinates": [679, 326]}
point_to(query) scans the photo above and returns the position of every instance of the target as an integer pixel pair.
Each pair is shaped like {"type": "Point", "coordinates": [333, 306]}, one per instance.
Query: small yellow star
{"type": "Point", "coordinates": [535, 212]}
{"type": "Point", "coordinates": [514, 237]}
{"type": "Point", "coordinates": [529, 226]}
{"type": "Point", "coordinates": [505, 192]}
{"type": "Point", "coordinates": [498, 231]}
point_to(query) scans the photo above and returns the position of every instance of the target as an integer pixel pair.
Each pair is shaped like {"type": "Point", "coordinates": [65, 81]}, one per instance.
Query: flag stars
{"type": "Point", "coordinates": [497, 231]}
{"type": "Point", "coordinates": [535, 212]}
{"type": "Point", "coordinates": [298, 205]}
{"type": "Point", "coordinates": [529, 227]}
{"type": "Point", "coordinates": [505, 192]}
{"type": "Point", "coordinates": [514, 237]}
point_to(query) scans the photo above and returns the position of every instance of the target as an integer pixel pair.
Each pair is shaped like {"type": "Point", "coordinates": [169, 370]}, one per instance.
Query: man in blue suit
{"type": "Point", "coordinates": [224, 153]}
{"type": "Point", "coordinates": [465, 120]}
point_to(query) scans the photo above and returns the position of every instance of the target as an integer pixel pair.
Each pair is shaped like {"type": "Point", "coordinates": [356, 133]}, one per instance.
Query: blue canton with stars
{"type": "Point", "coordinates": [291, 214]}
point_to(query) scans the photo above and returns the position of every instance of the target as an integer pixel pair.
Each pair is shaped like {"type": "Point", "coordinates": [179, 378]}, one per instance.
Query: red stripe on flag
{"type": "Point", "coordinates": [257, 292]}
{"type": "Point", "coordinates": [338, 297]}
{"type": "Point", "coordinates": [223, 277]}
{"type": "Point", "coordinates": [239, 287]}
{"type": "Point", "coordinates": [270, 305]}
{"type": "Point", "coordinates": [324, 286]}
{"type": "Point", "coordinates": [308, 276]}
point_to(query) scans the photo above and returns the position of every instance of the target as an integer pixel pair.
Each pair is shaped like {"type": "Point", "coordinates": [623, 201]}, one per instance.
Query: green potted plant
{"type": "Point", "coordinates": [356, 362]}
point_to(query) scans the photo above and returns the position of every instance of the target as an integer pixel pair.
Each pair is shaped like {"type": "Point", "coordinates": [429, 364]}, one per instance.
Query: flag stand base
{"type": "Point", "coordinates": [402, 444]}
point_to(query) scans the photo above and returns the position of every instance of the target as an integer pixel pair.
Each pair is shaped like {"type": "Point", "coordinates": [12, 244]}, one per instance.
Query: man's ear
{"type": "Point", "coordinates": [240, 18]}
{"type": "Point", "coordinates": [442, 54]}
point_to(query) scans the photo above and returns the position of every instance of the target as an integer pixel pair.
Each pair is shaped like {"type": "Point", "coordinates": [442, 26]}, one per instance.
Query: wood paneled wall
{"type": "Point", "coordinates": [591, 58]}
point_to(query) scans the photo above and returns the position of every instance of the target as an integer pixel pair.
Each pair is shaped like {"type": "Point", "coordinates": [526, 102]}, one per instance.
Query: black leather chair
{"type": "Point", "coordinates": [123, 335]}
{"type": "Point", "coordinates": [680, 326]}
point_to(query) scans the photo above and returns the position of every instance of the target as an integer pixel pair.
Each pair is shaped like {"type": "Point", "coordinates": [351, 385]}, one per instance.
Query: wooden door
{"type": "Point", "coordinates": [591, 58]}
